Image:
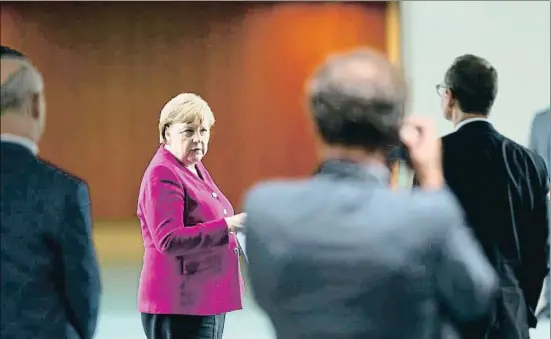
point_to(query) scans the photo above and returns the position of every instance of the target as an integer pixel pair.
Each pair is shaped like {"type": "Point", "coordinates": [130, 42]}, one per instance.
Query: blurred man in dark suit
{"type": "Point", "coordinates": [502, 187]}
{"type": "Point", "coordinates": [540, 142]}
{"type": "Point", "coordinates": [50, 284]}
{"type": "Point", "coordinates": [342, 255]}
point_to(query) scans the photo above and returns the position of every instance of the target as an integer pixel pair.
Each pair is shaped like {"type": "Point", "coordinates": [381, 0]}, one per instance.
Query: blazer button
{"type": "Point", "coordinates": [236, 250]}
{"type": "Point", "coordinates": [214, 195]}
{"type": "Point", "coordinates": [225, 212]}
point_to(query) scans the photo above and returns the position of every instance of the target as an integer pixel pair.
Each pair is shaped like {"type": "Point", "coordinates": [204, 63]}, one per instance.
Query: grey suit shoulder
{"type": "Point", "coordinates": [540, 136]}
{"type": "Point", "coordinates": [332, 253]}
{"type": "Point", "coordinates": [322, 200]}
{"type": "Point", "coordinates": [543, 117]}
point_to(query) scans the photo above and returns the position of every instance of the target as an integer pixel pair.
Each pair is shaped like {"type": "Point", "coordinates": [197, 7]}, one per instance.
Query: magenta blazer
{"type": "Point", "coordinates": [191, 261]}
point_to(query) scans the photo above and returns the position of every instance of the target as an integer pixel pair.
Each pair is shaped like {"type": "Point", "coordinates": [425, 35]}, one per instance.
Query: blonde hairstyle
{"type": "Point", "coordinates": [184, 108]}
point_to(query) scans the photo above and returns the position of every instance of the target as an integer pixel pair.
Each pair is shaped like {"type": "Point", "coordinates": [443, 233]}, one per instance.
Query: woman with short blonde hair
{"type": "Point", "coordinates": [191, 275]}
{"type": "Point", "coordinates": [185, 107]}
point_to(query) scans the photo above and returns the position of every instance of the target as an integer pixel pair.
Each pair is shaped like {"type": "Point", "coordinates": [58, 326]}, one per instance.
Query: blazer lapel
{"type": "Point", "coordinates": [206, 181]}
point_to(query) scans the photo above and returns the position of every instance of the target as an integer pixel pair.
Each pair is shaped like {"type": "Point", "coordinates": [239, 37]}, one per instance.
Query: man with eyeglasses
{"type": "Point", "coordinates": [502, 187]}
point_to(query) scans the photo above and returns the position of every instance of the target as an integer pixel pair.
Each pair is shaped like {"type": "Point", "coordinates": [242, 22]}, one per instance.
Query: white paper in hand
{"type": "Point", "coordinates": [241, 238]}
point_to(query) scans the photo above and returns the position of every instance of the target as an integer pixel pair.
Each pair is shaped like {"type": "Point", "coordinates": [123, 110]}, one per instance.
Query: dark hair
{"type": "Point", "coordinates": [6, 52]}
{"type": "Point", "coordinates": [357, 99]}
{"type": "Point", "coordinates": [473, 83]}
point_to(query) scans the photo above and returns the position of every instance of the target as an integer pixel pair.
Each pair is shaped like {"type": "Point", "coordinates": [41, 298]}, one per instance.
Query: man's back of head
{"type": "Point", "coordinates": [22, 108]}
{"type": "Point", "coordinates": [472, 81]}
{"type": "Point", "coordinates": [357, 100]}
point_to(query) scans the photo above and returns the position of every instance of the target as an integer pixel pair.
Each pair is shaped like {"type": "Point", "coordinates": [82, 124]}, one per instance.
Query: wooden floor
{"type": "Point", "coordinates": [118, 241]}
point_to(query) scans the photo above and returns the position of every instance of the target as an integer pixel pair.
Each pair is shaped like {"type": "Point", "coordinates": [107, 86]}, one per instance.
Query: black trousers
{"type": "Point", "coordinates": [176, 326]}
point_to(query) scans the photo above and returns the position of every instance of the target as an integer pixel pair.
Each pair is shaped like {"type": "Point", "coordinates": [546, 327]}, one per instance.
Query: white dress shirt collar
{"type": "Point", "coordinates": [27, 143]}
{"type": "Point", "coordinates": [467, 121]}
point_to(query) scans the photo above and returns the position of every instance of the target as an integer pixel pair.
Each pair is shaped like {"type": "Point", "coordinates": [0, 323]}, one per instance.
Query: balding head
{"type": "Point", "coordinates": [21, 96]}
{"type": "Point", "coordinates": [358, 100]}
{"type": "Point", "coordinates": [20, 81]}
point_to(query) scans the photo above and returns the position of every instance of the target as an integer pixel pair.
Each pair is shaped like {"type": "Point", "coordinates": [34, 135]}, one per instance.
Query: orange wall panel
{"type": "Point", "coordinates": [110, 67]}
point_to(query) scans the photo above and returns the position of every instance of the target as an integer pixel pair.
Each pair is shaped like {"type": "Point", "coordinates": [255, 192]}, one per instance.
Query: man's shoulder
{"type": "Point", "coordinates": [59, 177]}
{"type": "Point", "coordinates": [451, 139]}
{"type": "Point", "coordinates": [539, 131]}
{"type": "Point", "coordinates": [303, 197]}
{"type": "Point", "coordinates": [450, 136]}
{"type": "Point", "coordinates": [543, 117]}
{"type": "Point", "coordinates": [272, 191]}
{"type": "Point", "coordinates": [461, 141]}
{"type": "Point", "coordinates": [278, 204]}
{"type": "Point", "coordinates": [439, 207]}
{"type": "Point", "coordinates": [453, 142]}
{"type": "Point", "coordinates": [519, 151]}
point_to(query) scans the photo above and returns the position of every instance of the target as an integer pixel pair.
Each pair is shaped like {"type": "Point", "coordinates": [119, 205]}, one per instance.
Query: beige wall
{"type": "Point", "coordinates": [513, 35]}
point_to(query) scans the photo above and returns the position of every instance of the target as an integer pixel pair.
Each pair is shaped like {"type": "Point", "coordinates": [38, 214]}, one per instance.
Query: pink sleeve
{"type": "Point", "coordinates": [163, 210]}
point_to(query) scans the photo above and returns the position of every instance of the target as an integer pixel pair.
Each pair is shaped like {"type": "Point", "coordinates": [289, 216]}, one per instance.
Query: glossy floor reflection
{"type": "Point", "coordinates": [120, 320]}
{"type": "Point", "coordinates": [120, 271]}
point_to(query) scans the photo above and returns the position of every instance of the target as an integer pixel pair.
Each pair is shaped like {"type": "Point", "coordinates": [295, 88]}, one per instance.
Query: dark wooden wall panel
{"type": "Point", "coordinates": [110, 67]}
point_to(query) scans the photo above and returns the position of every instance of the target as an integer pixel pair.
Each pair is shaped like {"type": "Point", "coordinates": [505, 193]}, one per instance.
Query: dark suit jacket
{"type": "Point", "coordinates": [502, 187]}
{"type": "Point", "coordinates": [50, 284]}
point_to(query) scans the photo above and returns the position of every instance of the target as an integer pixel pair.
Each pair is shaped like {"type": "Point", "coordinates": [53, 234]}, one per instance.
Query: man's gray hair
{"type": "Point", "coordinates": [357, 99]}
{"type": "Point", "coordinates": [20, 86]}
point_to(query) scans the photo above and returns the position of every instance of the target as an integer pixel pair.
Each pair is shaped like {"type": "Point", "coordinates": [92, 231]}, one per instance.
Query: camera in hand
{"type": "Point", "coordinates": [398, 162]}
{"type": "Point", "coordinates": [398, 154]}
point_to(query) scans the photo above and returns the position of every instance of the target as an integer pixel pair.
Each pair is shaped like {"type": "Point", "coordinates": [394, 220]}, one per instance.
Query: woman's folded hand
{"type": "Point", "coordinates": [236, 223]}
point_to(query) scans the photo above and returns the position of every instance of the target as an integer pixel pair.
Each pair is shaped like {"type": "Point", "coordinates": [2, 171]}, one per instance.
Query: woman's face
{"type": "Point", "coordinates": [188, 142]}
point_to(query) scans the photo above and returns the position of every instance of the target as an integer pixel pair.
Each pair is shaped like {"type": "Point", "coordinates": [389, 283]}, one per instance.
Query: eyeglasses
{"type": "Point", "coordinates": [441, 89]}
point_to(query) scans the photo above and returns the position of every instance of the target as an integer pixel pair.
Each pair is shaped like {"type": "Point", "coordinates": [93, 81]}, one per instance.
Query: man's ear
{"type": "Point", "coordinates": [451, 100]}
{"type": "Point", "coordinates": [35, 106]}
